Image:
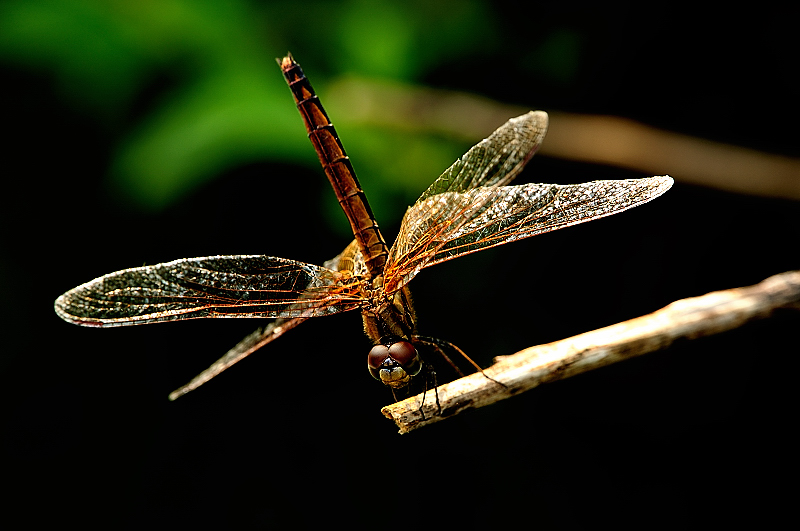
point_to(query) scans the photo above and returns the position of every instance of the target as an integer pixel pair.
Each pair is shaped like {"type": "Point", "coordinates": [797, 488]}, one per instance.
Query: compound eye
{"type": "Point", "coordinates": [377, 355]}
{"type": "Point", "coordinates": [403, 352]}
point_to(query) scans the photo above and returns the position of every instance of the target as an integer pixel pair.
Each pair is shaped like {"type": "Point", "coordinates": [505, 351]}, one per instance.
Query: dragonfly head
{"type": "Point", "coordinates": [394, 362]}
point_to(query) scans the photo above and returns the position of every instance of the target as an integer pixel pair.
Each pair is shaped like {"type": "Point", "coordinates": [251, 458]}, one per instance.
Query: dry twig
{"type": "Point", "coordinates": [687, 318]}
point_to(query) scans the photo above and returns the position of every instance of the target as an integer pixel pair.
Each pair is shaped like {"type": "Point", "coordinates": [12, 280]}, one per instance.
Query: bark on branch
{"type": "Point", "coordinates": [687, 318]}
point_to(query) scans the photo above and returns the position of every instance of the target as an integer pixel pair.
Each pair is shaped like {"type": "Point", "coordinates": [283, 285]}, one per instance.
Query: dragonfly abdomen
{"type": "Point", "coordinates": [338, 168]}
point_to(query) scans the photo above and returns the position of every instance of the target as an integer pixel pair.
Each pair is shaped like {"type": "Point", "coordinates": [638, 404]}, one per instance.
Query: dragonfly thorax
{"type": "Point", "coordinates": [389, 317]}
{"type": "Point", "coordinates": [390, 323]}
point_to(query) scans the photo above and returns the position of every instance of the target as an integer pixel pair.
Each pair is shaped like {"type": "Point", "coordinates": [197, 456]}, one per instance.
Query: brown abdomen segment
{"type": "Point", "coordinates": [337, 167]}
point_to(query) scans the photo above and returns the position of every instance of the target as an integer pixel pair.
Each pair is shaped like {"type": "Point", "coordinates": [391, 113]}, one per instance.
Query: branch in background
{"type": "Point", "coordinates": [586, 138]}
{"type": "Point", "coordinates": [709, 314]}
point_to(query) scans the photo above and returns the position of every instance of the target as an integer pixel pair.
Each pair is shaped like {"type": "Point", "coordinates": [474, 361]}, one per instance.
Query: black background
{"type": "Point", "coordinates": [697, 435]}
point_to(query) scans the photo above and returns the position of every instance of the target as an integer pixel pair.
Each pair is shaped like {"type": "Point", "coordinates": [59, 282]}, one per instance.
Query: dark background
{"type": "Point", "coordinates": [697, 435]}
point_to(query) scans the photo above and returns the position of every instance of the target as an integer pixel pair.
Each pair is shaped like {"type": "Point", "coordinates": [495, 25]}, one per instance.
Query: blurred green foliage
{"type": "Point", "coordinates": [189, 88]}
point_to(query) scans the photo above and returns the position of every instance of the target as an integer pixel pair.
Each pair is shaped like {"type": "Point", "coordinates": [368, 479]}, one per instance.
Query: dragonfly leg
{"type": "Point", "coordinates": [435, 390]}
{"type": "Point", "coordinates": [430, 376]}
{"type": "Point", "coordinates": [437, 345]}
{"type": "Point", "coordinates": [440, 344]}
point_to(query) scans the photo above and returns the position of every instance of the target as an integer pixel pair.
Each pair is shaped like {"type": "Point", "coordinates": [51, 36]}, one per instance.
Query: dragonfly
{"type": "Point", "coordinates": [469, 208]}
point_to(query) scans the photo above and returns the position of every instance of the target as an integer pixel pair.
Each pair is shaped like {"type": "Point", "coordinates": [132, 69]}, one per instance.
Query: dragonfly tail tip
{"type": "Point", "coordinates": [286, 62]}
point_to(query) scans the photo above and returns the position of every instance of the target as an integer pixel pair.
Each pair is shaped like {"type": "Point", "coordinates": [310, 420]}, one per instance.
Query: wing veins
{"type": "Point", "coordinates": [233, 286]}
{"type": "Point", "coordinates": [512, 213]}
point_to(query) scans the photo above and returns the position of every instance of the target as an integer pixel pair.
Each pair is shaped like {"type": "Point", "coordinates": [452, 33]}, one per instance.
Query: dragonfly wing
{"type": "Point", "coordinates": [512, 213]}
{"type": "Point", "coordinates": [459, 193]}
{"type": "Point", "coordinates": [216, 286]}
{"type": "Point", "coordinates": [350, 260]}
{"type": "Point", "coordinates": [244, 348]}
{"type": "Point", "coordinates": [496, 160]}
{"type": "Point", "coordinates": [517, 212]}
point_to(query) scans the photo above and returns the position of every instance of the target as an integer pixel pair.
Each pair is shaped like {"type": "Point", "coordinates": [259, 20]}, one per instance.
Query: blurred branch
{"type": "Point", "coordinates": [586, 138]}
{"type": "Point", "coordinates": [691, 318]}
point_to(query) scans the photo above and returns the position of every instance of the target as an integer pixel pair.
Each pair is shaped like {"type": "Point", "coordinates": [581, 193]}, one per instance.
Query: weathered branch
{"type": "Point", "coordinates": [687, 318]}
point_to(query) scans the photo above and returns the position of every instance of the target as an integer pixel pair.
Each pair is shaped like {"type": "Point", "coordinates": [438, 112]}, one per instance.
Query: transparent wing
{"type": "Point", "coordinates": [456, 197]}
{"type": "Point", "coordinates": [244, 348]}
{"type": "Point", "coordinates": [496, 160]}
{"type": "Point", "coordinates": [350, 261]}
{"type": "Point", "coordinates": [216, 286]}
{"type": "Point", "coordinates": [506, 214]}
